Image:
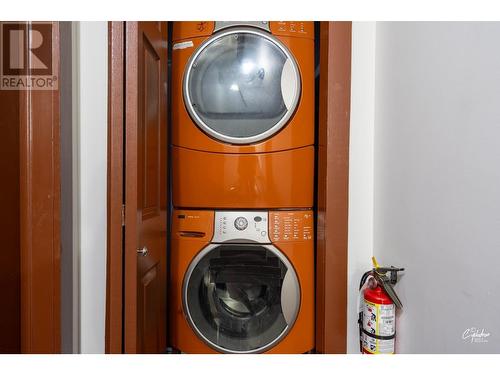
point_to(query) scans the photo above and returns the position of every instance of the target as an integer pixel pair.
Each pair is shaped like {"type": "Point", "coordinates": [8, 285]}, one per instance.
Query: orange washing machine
{"type": "Point", "coordinates": [242, 281]}
{"type": "Point", "coordinates": [243, 114]}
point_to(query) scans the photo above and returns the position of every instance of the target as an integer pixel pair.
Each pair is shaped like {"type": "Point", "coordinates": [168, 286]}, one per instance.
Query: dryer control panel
{"type": "Point", "coordinates": [241, 226]}
{"type": "Point", "coordinates": [293, 28]}
{"type": "Point", "coordinates": [291, 226]}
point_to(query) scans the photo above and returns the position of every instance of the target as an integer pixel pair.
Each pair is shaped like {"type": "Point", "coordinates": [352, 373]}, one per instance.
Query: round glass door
{"type": "Point", "coordinates": [241, 86]}
{"type": "Point", "coordinates": [241, 298]}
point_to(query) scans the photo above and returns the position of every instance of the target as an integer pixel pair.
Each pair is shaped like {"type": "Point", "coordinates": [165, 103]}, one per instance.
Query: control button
{"type": "Point", "coordinates": [257, 219]}
{"type": "Point", "coordinates": [241, 223]}
{"type": "Point", "coordinates": [263, 233]}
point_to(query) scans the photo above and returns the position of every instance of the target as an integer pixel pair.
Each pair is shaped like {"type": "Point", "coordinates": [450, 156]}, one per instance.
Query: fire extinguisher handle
{"type": "Point", "coordinates": [393, 272]}
{"type": "Point", "coordinates": [386, 284]}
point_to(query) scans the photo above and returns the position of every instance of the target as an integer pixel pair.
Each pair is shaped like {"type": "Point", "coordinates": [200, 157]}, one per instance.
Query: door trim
{"type": "Point", "coordinates": [131, 30]}
{"type": "Point", "coordinates": [333, 187]}
{"type": "Point", "coordinates": [40, 194]}
{"type": "Point", "coordinates": [115, 198]}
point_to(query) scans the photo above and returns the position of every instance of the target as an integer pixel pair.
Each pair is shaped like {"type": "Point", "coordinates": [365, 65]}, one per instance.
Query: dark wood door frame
{"type": "Point", "coordinates": [115, 209]}
{"type": "Point", "coordinates": [40, 215]}
{"type": "Point", "coordinates": [131, 96]}
{"type": "Point", "coordinates": [333, 187]}
{"type": "Point", "coordinates": [333, 177]}
{"type": "Point", "coordinates": [10, 284]}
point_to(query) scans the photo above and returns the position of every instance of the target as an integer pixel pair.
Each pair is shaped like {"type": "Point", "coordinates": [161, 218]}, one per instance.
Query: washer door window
{"type": "Point", "coordinates": [241, 86]}
{"type": "Point", "coordinates": [241, 298]}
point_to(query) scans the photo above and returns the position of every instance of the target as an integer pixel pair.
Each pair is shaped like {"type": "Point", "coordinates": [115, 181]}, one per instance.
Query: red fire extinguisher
{"type": "Point", "coordinates": [377, 310]}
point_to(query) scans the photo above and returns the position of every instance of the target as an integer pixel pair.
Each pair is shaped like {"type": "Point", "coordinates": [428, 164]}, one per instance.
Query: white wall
{"type": "Point", "coordinates": [437, 180]}
{"type": "Point", "coordinates": [92, 54]}
{"type": "Point", "coordinates": [360, 238]}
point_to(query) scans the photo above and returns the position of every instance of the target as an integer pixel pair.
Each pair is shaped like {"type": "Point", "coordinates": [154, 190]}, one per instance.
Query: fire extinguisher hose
{"type": "Point", "coordinates": [364, 278]}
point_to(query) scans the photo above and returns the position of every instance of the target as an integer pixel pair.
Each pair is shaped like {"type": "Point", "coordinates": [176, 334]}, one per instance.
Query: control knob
{"type": "Point", "coordinates": [241, 223]}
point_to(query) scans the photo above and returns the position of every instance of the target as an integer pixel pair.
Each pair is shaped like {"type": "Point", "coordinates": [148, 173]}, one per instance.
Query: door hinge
{"type": "Point", "coordinates": [123, 215]}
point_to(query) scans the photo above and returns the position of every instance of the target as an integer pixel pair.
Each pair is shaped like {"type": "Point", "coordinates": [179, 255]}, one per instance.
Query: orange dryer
{"type": "Point", "coordinates": [243, 114]}
{"type": "Point", "coordinates": [242, 282]}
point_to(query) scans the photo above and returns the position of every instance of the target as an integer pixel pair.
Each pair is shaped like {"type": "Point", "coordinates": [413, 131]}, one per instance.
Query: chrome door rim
{"type": "Point", "coordinates": [241, 140]}
{"type": "Point", "coordinates": [221, 349]}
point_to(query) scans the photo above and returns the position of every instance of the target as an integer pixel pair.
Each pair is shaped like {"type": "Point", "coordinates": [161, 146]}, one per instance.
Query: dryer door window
{"type": "Point", "coordinates": [241, 298]}
{"type": "Point", "coordinates": [241, 86]}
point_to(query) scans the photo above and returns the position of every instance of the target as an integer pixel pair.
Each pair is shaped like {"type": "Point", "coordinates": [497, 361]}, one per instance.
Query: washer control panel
{"type": "Point", "coordinates": [244, 226]}
{"type": "Point", "coordinates": [291, 226]}
{"type": "Point", "coordinates": [241, 223]}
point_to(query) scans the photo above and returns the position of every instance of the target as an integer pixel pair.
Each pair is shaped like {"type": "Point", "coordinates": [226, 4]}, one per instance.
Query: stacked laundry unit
{"type": "Point", "coordinates": [242, 250]}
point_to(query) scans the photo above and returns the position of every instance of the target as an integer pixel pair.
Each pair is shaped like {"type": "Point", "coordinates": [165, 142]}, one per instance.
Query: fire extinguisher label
{"type": "Point", "coordinates": [378, 320]}
{"type": "Point", "coordinates": [386, 322]}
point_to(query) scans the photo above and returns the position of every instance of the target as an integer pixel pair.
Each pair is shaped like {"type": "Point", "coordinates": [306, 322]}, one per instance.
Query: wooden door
{"type": "Point", "coordinates": [145, 187]}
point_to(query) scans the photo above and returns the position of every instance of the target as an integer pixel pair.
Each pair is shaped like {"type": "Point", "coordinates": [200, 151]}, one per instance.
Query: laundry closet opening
{"type": "Point", "coordinates": [242, 173]}
{"type": "Point", "coordinates": [221, 168]}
